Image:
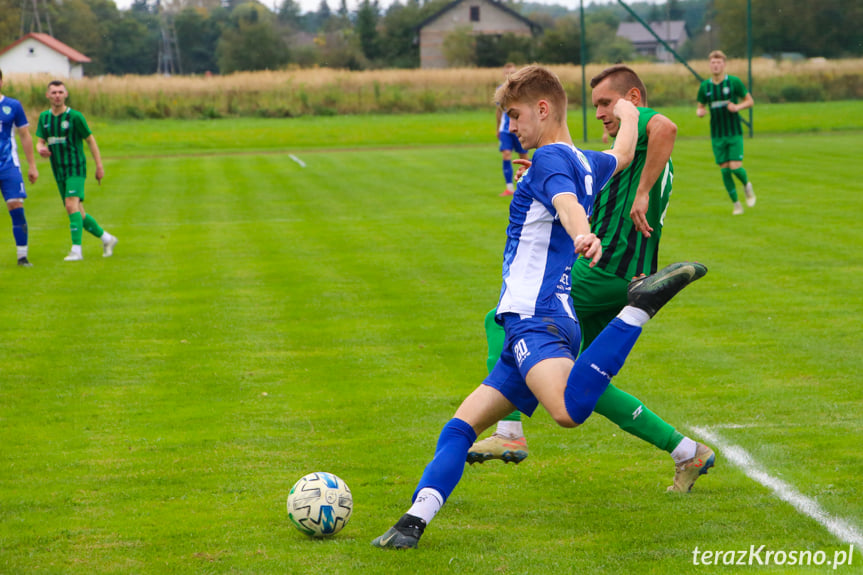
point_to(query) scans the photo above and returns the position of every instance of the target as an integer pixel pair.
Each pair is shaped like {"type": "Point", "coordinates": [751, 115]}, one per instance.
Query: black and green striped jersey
{"type": "Point", "coordinates": [65, 134]}
{"type": "Point", "coordinates": [626, 253]}
{"type": "Point", "coordinates": [716, 97]}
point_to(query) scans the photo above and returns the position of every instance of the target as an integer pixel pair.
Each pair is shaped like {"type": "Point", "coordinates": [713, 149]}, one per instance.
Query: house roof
{"type": "Point", "coordinates": [500, 6]}
{"type": "Point", "coordinates": [52, 43]}
{"type": "Point", "coordinates": [669, 31]}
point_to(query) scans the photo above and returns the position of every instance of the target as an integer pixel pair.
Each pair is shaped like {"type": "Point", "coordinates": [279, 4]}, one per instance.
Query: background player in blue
{"type": "Point", "coordinates": [508, 140]}
{"type": "Point", "coordinates": [11, 181]}
{"type": "Point", "coordinates": [548, 226]}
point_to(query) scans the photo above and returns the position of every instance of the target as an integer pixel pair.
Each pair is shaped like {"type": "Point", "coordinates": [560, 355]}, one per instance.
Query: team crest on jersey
{"type": "Point", "coordinates": [520, 351]}
{"type": "Point", "coordinates": [7, 110]}
{"type": "Point", "coordinates": [726, 90]}
{"type": "Point", "coordinates": [583, 159]}
{"type": "Point", "coordinates": [64, 124]}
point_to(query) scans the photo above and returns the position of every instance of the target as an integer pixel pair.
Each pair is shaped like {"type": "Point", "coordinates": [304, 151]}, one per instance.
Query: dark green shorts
{"type": "Point", "coordinates": [71, 188]}
{"type": "Point", "coordinates": [728, 149]}
{"type": "Point", "coordinates": [597, 297]}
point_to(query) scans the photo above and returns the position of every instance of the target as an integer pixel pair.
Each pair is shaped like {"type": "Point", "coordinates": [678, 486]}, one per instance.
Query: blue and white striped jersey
{"type": "Point", "coordinates": [11, 115]}
{"type": "Point", "coordinates": [539, 253]}
{"type": "Point", "coordinates": [504, 124]}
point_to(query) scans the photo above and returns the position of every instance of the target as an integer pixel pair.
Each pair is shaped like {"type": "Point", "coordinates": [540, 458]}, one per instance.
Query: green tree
{"type": "Point", "coordinates": [367, 28]}
{"type": "Point", "coordinates": [134, 45]}
{"type": "Point", "coordinates": [399, 48]}
{"type": "Point", "coordinates": [561, 43]}
{"type": "Point", "coordinates": [340, 49]}
{"type": "Point", "coordinates": [829, 28]}
{"type": "Point", "coordinates": [494, 51]}
{"type": "Point", "coordinates": [251, 41]}
{"type": "Point", "coordinates": [198, 33]}
{"type": "Point", "coordinates": [289, 14]}
{"type": "Point", "coordinates": [10, 21]}
{"type": "Point", "coordinates": [75, 23]}
{"type": "Point", "coordinates": [603, 44]}
{"type": "Point", "coordinates": [459, 47]}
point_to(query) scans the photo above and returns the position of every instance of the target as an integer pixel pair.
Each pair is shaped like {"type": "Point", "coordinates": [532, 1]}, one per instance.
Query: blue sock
{"type": "Point", "coordinates": [444, 471]}
{"type": "Point", "coordinates": [507, 171]}
{"type": "Point", "coordinates": [595, 367]}
{"type": "Point", "coordinates": [19, 226]}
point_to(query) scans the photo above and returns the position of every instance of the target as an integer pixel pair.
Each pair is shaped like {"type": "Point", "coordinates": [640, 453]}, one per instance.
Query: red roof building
{"type": "Point", "coordinates": [38, 53]}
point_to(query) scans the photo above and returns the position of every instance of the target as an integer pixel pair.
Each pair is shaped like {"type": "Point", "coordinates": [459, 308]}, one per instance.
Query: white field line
{"type": "Point", "coordinates": [839, 527]}
{"type": "Point", "coordinates": [776, 425]}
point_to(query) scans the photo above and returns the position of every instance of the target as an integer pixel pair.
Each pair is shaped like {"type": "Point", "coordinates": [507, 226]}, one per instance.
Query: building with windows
{"type": "Point", "coordinates": [38, 53]}
{"type": "Point", "coordinates": [672, 32]}
{"type": "Point", "coordinates": [476, 16]}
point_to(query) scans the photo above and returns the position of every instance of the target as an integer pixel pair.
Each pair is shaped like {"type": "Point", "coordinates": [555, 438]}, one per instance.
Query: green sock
{"type": "Point", "coordinates": [729, 183]}
{"type": "Point", "coordinates": [92, 226]}
{"type": "Point", "coordinates": [632, 417]}
{"type": "Point", "coordinates": [741, 175]}
{"type": "Point", "coordinates": [495, 336]}
{"type": "Point", "coordinates": [76, 227]}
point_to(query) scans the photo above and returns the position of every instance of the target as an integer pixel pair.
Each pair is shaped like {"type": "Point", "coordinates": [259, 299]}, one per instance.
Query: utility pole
{"type": "Point", "coordinates": [169, 51]}
{"type": "Point", "coordinates": [31, 19]}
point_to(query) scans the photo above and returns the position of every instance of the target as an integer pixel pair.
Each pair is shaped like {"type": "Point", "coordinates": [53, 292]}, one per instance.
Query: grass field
{"type": "Point", "coordinates": [260, 321]}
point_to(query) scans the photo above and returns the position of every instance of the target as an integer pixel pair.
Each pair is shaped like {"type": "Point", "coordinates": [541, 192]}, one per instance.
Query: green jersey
{"type": "Point", "coordinates": [626, 253]}
{"type": "Point", "coordinates": [716, 97]}
{"type": "Point", "coordinates": [65, 134]}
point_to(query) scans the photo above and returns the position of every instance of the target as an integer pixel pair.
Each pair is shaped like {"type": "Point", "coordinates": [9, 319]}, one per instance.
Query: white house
{"type": "Point", "coordinates": [38, 53]}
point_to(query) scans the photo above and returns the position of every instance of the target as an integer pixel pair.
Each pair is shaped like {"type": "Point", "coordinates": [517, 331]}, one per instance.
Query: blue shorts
{"type": "Point", "coordinates": [529, 341]}
{"type": "Point", "coordinates": [12, 185]}
{"type": "Point", "coordinates": [509, 141]}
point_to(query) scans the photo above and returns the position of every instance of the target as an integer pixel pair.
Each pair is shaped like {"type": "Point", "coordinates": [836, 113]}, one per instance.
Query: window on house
{"type": "Point", "coordinates": [474, 13]}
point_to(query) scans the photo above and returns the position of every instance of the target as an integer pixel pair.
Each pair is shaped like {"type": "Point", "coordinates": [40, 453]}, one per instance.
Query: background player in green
{"type": "Point", "coordinates": [725, 96]}
{"type": "Point", "coordinates": [62, 132]}
{"type": "Point", "coordinates": [628, 215]}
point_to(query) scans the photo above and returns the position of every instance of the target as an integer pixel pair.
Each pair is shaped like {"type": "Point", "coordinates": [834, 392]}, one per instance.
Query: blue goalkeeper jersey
{"type": "Point", "coordinates": [11, 116]}
{"type": "Point", "coordinates": [539, 252]}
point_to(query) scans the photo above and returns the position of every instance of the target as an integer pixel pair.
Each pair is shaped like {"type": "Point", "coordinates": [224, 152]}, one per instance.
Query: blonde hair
{"type": "Point", "coordinates": [532, 84]}
{"type": "Point", "coordinates": [717, 54]}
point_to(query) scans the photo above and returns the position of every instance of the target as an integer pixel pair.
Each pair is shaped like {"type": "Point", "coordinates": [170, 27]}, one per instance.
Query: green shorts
{"type": "Point", "coordinates": [728, 149]}
{"type": "Point", "coordinates": [71, 187]}
{"type": "Point", "coordinates": [597, 298]}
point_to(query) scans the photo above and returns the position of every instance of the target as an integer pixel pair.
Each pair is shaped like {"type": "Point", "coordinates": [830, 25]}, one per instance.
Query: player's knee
{"type": "Point", "coordinates": [562, 418]}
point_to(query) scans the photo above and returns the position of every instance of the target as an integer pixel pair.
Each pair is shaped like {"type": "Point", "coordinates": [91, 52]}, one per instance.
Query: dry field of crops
{"type": "Point", "coordinates": [329, 92]}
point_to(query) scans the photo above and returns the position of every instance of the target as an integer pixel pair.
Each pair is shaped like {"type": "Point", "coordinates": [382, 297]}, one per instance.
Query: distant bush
{"type": "Point", "coordinates": [328, 92]}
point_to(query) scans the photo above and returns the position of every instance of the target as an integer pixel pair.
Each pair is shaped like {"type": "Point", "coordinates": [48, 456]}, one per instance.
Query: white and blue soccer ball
{"type": "Point", "coordinates": [320, 504]}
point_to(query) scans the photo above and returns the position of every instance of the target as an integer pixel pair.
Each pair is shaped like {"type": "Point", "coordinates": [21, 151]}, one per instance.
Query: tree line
{"type": "Point", "coordinates": [214, 36]}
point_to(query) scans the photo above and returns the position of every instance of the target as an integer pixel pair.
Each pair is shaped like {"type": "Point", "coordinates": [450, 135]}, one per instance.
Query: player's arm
{"type": "Point", "coordinates": [27, 144]}
{"type": "Point", "coordinates": [497, 116]}
{"type": "Point", "coordinates": [747, 102]}
{"type": "Point", "coordinates": [661, 133]}
{"type": "Point", "coordinates": [701, 110]}
{"type": "Point", "coordinates": [627, 135]}
{"type": "Point", "coordinates": [42, 147]}
{"type": "Point", "coordinates": [97, 157]}
{"type": "Point", "coordinates": [574, 220]}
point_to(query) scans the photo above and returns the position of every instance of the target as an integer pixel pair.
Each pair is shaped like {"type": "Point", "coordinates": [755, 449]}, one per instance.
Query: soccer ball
{"type": "Point", "coordinates": [320, 504]}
